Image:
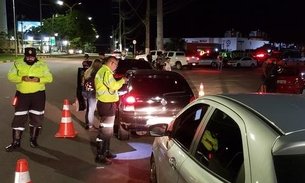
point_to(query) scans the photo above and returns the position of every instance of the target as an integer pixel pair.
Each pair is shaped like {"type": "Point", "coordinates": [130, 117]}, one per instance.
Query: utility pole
{"type": "Point", "coordinates": [147, 27]}
{"type": "Point", "coordinates": [120, 27]}
{"type": "Point", "coordinates": [159, 24]}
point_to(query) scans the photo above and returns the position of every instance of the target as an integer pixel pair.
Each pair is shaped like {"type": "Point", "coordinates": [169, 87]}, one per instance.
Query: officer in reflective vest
{"type": "Point", "coordinates": [30, 76]}
{"type": "Point", "coordinates": [107, 95]}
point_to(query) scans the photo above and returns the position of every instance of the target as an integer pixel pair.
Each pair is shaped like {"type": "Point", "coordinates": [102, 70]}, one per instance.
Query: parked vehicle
{"type": "Point", "coordinates": [291, 79]}
{"type": "Point", "coordinates": [232, 138]}
{"type": "Point", "coordinates": [154, 54]}
{"type": "Point", "coordinates": [147, 95]}
{"type": "Point", "coordinates": [242, 62]}
{"type": "Point", "coordinates": [208, 60]}
{"type": "Point", "coordinates": [178, 59]}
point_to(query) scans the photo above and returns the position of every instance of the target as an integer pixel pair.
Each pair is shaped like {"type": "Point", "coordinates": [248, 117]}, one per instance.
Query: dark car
{"type": "Point", "coordinates": [291, 79]}
{"type": "Point", "coordinates": [130, 64]}
{"type": "Point", "coordinates": [149, 95]}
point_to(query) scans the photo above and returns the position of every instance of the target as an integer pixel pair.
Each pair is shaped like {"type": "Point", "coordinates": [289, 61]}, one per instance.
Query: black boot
{"type": "Point", "coordinates": [34, 132]}
{"type": "Point", "coordinates": [100, 157]}
{"type": "Point", "coordinates": [108, 154]}
{"type": "Point", "coordinates": [16, 141]}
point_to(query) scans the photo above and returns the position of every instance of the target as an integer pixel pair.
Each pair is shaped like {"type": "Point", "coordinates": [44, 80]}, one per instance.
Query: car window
{"type": "Point", "coordinates": [220, 147]}
{"type": "Point", "coordinates": [125, 65]}
{"type": "Point", "coordinates": [160, 85]}
{"type": "Point", "coordinates": [179, 54]}
{"type": "Point", "coordinates": [185, 125]}
{"type": "Point", "coordinates": [288, 72]}
{"type": "Point", "coordinates": [170, 54]}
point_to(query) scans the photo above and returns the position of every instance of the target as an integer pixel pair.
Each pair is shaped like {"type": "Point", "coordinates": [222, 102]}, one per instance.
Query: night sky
{"type": "Point", "coordinates": [282, 21]}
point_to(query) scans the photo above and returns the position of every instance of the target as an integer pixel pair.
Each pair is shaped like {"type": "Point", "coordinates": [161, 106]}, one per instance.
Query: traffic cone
{"type": "Point", "coordinates": [66, 128]}
{"type": "Point", "coordinates": [22, 174]}
{"type": "Point", "coordinates": [201, 90]}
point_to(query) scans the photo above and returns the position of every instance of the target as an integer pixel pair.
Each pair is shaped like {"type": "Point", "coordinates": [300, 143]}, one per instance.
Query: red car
{"type": "Point", "coordinates": [291, 79]}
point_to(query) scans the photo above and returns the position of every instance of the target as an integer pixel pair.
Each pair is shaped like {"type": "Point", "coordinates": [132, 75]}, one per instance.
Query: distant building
{"type": "Point", "coordinates": [3, 16]}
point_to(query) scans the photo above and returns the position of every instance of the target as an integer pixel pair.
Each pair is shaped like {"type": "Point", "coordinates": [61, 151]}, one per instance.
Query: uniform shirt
{"type": "Point", "coordinates": [106, 85]}
{"type": "Point", "coordinates": [39, 69]}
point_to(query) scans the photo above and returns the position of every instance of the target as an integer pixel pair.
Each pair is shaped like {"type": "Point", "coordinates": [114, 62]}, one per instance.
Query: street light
{"type": "Point", "coordinates": [70, 7]}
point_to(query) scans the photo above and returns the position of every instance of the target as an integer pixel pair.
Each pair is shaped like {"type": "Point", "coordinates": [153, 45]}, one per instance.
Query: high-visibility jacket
{"type": "Point", "coordinates": [39, 69]}
{"type": "Point", "coordinates": [106, 85]}
{"type": "Point", "coordinates": [209, 141]}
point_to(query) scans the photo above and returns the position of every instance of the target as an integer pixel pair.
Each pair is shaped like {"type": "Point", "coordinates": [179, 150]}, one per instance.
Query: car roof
{"type": "Point", "coordinates": [286, 112]}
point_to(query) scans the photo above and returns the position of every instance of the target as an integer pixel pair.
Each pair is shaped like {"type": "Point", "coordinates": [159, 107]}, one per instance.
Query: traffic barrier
{"type": "Point", "coordinates": [66, 128]}
{"type": "Point", "coordinates": [22, 174]}
{"type": "Point", "coordinates": [201, 90]}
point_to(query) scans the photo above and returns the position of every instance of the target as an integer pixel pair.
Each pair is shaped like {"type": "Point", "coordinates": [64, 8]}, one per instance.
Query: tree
{"type": "Point", "coordinates": [175, 44]}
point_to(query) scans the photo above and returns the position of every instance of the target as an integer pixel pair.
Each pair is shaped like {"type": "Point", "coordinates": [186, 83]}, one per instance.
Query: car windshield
{"type": "Point", "coordinates": [159, 85]}
{"type": "Point", "coordinates": [125, 65]}
{"type": "Point", "coordinates": [283, 167]}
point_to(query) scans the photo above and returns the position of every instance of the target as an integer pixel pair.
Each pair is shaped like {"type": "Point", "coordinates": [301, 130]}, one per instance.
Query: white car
{"type": "Point", "coordinates": [238, 138]}
{"type": "Point", "coordinates": [208, 61]}
{"type": "Point", "coordinates": [242, 62]}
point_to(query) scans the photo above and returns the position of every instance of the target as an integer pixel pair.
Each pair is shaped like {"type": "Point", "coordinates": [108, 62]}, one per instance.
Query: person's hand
{"type": "Point", "coordinates": [30, 79]}
{"type": "Point", "coordinates": [125, 80]}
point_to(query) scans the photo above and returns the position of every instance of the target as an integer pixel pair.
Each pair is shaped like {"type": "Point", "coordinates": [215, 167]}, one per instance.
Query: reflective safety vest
{"type": "Point", "coordinates": [209, 142]}
{"type": "Point", "coordinates": [106, 85]}
{"type": "Point", "coordinates": [39, 69]}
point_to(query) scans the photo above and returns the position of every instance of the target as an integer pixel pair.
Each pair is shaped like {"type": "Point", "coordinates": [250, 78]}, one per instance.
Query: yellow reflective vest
{"type": "Point", "coordinates": [106, 85]}
{"type": "Point", "coordinates": [39, 69]}
{"type": "Point", "coordinates": [209, 142]}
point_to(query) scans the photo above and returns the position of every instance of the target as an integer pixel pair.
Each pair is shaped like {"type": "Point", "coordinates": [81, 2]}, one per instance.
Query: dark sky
{"type": "Point", "coordinates": [282, 21]}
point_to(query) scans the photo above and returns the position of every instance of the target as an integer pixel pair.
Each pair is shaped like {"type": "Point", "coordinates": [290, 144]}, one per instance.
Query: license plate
{"type": "Point", "coordinates": [281, 81]}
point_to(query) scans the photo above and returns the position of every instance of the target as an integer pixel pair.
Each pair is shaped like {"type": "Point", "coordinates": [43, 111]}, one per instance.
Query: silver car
{"type": "Point", "coordinates": [252, 138]}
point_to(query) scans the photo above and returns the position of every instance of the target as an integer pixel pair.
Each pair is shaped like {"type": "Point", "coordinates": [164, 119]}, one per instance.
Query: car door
{"type": "Point", "coordinates": [175, 151]}
{"type": "Point", "coordinates": [222, 158]}
{"type": "Point", "coordinates": [245, 62]}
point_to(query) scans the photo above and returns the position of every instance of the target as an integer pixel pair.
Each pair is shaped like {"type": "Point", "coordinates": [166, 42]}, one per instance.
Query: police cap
{"type": "Point", "coordinates": [30, 51]}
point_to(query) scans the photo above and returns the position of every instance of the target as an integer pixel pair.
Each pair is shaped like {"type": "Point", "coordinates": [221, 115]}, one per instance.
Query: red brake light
{"type": "Point", "coordinates": [130, 100]}
{"type": "Point", "coordinates": [260, 55]}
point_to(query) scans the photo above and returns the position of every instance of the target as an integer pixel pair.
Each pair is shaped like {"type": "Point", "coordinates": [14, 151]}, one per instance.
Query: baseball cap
{"type": "Point", "coordinates": [30, 51]}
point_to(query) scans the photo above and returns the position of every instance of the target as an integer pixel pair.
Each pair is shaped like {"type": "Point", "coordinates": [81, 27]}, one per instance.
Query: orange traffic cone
{"type": "Point", "coordinates": [22, 174]}
{"type": "Point", "coordinates": [201, 90]}
{"type": "Point", "coordinates": [66, 128]}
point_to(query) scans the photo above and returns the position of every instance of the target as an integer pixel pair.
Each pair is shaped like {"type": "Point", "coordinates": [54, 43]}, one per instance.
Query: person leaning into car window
{"type": "Point", "coordinates": [106, 87]}
{"type": "Point", "coordinates": [270, 80]}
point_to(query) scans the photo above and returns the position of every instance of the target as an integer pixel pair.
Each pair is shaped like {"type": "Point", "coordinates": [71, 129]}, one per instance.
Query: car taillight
{"type": "Point", "coordinates": [130, 100]}
{"type": "Point", "coordinates": [118, 76]}
{"type": "Point", "coordinates": [192, 99]}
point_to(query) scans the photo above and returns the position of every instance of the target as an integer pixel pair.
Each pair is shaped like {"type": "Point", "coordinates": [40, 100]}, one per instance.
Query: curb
{"type": "Point", "coordinates": [7, 61]}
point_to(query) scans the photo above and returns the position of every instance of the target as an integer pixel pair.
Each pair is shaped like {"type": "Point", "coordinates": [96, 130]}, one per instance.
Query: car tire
{"type": "Point", "coordinates": [178, 65]}
{"type": "Point", "coordinates": [153, 171]}
{"type": "Point", "coordinates": [238, 65]}
{"type": "Point", "coordinates": [123, 134]}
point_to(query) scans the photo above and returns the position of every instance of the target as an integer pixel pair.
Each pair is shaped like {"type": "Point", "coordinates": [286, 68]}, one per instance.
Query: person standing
{"type": "Point", "coordinates": [219, 62]}
{"type": "Point", "coordinates": [107, 95]}
{"type": "Point", "coordinates": [270, 80]}
{"type": "Point", "coordinates": [30, 76]}
{"type": "Point", "coordinates": [87, 62]}
{"type": "Point", "coordinates": [101, 56]}
{"type": "Point", "coordinates": [89, 93]}
{"type": "Point", "coordinates": [167, 66]}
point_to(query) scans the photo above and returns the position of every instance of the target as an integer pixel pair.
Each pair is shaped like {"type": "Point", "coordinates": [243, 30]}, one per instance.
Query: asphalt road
{"type": "Point", "coordinates": [71, 160]}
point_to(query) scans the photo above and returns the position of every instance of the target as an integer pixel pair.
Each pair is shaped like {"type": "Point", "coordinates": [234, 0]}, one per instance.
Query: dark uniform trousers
{"type": "Point", "coordinates": [30, 105]}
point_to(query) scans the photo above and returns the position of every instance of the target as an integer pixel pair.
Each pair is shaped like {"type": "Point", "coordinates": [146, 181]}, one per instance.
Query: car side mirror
{"type": "Point", "coordinates": [158, 130]}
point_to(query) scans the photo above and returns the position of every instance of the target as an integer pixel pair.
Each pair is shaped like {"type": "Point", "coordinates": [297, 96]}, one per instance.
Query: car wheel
{"type": "Point", "coordinates": [123, 134]}
{"type": "Point", "coordinates": [214, 65]}
{"type": "Point", "coordinates": [178, 65]}
{"type": "Point", "coordinates": [153, 173]}
{"type": "Point", "coordinates": [238, 65]}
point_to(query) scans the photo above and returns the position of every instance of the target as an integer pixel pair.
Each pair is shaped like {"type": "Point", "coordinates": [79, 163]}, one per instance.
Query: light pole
{"type": "Point", "coordinates": [15, 31]}
{"type": "Point", "coordinates": [70, 7]}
